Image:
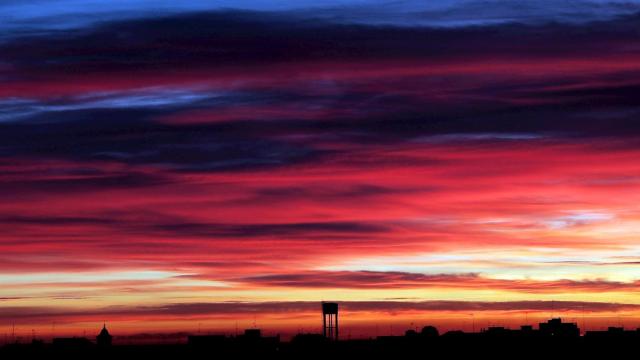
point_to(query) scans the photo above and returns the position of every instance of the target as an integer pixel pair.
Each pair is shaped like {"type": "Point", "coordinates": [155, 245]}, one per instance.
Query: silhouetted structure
{"type": "Point", "coordinates": [551, 339]}
{"type": "Point", "coordinates": [429, 331]}
{"type": "Point", "coordinates": [104, 339]}
{"type": "Point", "coordinates": [555, 327]}
{"type": "Point", "coordinates": [526, 328]}
{"type": "Point", "coordinates": [309, 341]}
{"type": "Point", "coordinates": [252, 334]}
{"type": "Point", "coordinates": [330, 320]}
{"type": "Point", "coordinates": [72, 343]}
{"type": "Point", "coordinates": [208, 341]}
{"type": "Point", "coordinates": [613, 333]}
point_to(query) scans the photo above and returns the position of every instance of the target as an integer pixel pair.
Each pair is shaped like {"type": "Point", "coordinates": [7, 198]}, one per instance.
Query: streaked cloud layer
{"type": "Point", "coordinates": [425, 162]}
{"type": "Point", "coordinates": [37, 16]}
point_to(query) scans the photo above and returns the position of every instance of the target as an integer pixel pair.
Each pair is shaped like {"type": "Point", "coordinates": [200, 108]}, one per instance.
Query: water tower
{"type": "Point", "coordinates": [330, 320]}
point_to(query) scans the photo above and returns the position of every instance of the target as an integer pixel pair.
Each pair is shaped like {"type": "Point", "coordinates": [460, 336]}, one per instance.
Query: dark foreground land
{"type": "Point", "coordinates": [553, 339]}
{"type": "Point", "coordinates": [408, 347]}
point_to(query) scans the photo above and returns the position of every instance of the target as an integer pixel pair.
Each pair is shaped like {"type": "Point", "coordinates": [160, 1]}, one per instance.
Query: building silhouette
{"type": "Point", "coordinates": [613, 333]}
{"type": "Point", "coordinates": [104, 339]}
{"type": "Point", "coordinates": [330, 320]}
{"type": "Point", "coordinates": [551, 339]}
{"type": "Point", "coordinates": [210, 341]}
{"type": "Point", "coordinates": [71, 343]}
{"type": "Point", "coordinates": [555, 327]}
{"type": "Point", "coordinates": [429, 331]}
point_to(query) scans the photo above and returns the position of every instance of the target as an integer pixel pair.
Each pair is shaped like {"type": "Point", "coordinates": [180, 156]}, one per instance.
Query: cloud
{"type": "Point", "coordinates": [116, 46]}
{"type": "Point", "coordinates": [30, 177]}
{"type": "Point", "coordinates": [15, 109]}
{"type": "Point", "coordinates": [38, 17]}
{"type": "Point", "coordinates": [347, 84]}
{"type": "Point", "coordinates": [258, 146]}
{"type": "Point", "coordinates": [195, 148]}
{"type": "Point", "coordinates": [224, 309]}
{"type": "Point", "coordinates": [274, 230]}
{"type": "Point", "coordinates": [153, 224]}
{"type": "Point", "coordinates": [404, 280]}
{"type": "Point", "coordinates": [362, 279]}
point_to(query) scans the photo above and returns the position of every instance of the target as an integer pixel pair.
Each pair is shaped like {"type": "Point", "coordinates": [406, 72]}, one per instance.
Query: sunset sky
{"type": "Point", "coordinates": [170, 165]}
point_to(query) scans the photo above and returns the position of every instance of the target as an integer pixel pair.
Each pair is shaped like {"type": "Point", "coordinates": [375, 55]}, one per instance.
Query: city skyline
{"type": "Point", "coordinates": [549, 328]}
{"type": "Point", "coordinates": [553, 337]}
{"type": "Point", "coordinates": [170, 165]}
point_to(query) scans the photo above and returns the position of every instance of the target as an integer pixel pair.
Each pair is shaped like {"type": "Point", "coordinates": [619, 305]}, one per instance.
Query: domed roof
{"type": "Point", "coordinates": [104, 332]}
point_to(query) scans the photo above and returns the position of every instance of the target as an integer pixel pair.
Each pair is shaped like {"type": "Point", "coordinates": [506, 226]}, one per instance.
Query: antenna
{"type": "Point", "coordinates": [584, 325]}
{"type": "Point", "coordinates": [473, 322]}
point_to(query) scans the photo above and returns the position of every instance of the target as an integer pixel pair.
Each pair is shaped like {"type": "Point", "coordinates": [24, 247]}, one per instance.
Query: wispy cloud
{"type": "Point", "coordinates": [452, 150]}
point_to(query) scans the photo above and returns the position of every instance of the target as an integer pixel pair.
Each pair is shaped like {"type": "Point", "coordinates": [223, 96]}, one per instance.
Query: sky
{"type": "Point", "coordinates": [169, 166]}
